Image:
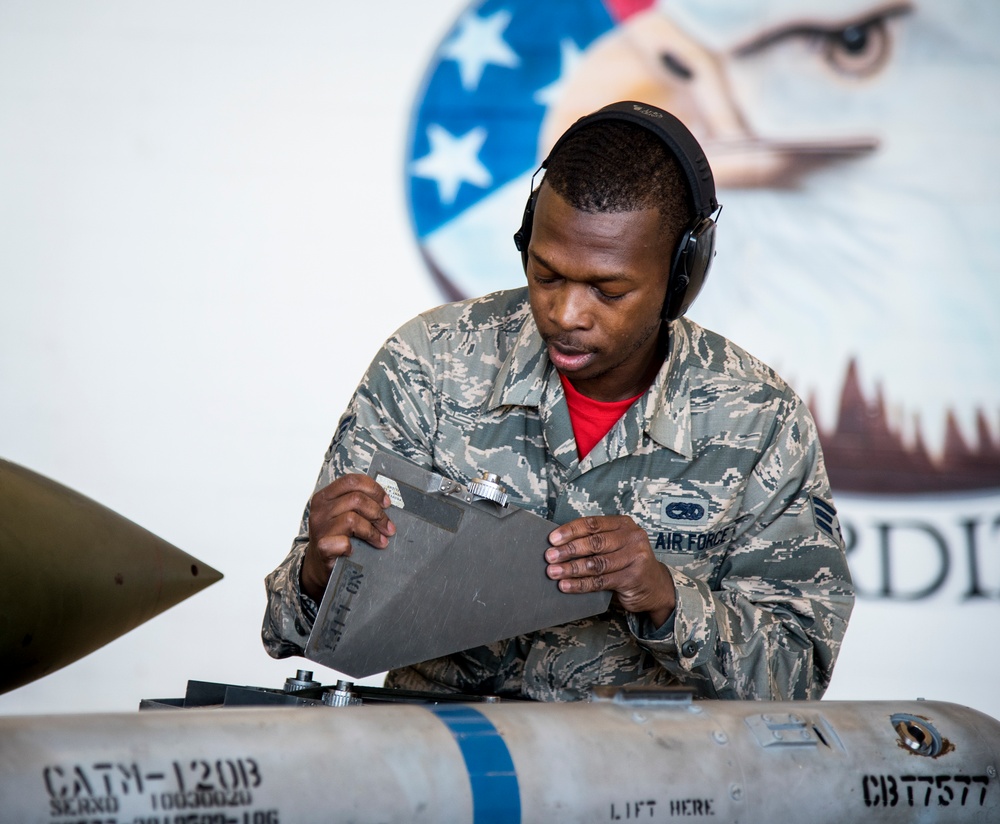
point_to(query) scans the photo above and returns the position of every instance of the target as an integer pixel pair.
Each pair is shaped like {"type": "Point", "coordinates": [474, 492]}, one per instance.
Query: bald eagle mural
{"type": "Point", "coordinates": [849, 143]}
{"type": "Point", "coordinates": [853, 143]}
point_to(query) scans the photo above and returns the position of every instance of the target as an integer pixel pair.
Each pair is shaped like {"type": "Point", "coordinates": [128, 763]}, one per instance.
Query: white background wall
{"type": "Point", "coordinates": [203, 240]}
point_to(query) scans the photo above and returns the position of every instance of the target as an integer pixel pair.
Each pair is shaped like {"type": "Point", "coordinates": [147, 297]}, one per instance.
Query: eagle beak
{"type": "Point", "coordinates": [649, 58]}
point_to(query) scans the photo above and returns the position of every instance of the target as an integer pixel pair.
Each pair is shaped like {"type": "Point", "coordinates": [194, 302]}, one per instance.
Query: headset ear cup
{"type": "Point", "coordinates": [689, 268]}
{"type": "Point", "coordinates": [522, 237]}
{"type": "Point", "coordinates": [677, 285]}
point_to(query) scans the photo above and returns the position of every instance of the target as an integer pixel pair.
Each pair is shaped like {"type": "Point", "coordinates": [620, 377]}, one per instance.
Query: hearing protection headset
{"type": "Point", "coordinates": [694, 254]}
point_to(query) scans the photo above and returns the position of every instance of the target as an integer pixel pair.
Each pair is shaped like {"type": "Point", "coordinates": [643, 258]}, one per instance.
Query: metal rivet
{"type": "Point", "coordinates": [720, 736]}
{"type": "Point", "coordinates": [991, 772]}
{"type": "Point", "coordinates": [736, 792]}
{"type": "Point", "coordinates": [778, 735]}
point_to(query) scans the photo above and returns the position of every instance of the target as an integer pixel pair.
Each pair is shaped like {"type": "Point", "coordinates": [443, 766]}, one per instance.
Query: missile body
{"type": "Point", "coordinates": [76, 575]}
{"type": "Point", "coordinates": [622, 757]}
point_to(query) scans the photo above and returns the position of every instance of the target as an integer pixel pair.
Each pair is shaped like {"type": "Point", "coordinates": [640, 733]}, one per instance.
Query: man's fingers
{"type": "Point", "coordinates": [352, 506]}
{"type": "Point", "coordinates": [589, 565]}
{"type": "Point", "coordinates": [352, 482]}
{"type": "Point", "coordinates": [333, 542]}
{"type": "Point", "coordinates": [332, 537]}
{"type": "Point", "coordinates": [331, 547]}
{"type": "Point", "coordinates": [335, 538]}
{"type": "Point", "coordinates": [575, 540]}
{"type": "Point", "coordinates": [581, 585]}
{"type": "Point", "coordinates": [611, 553]}
{"type": "Point", "coordinates": [326, 514]}
{"type": "Point", "coordinates": [353, 487]}
{"type": "Point", "coordinates": [583, 527]}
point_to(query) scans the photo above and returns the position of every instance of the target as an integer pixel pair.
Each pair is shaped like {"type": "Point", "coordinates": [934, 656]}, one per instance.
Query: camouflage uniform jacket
{"type": "Point", "coordinates": [718, 461]}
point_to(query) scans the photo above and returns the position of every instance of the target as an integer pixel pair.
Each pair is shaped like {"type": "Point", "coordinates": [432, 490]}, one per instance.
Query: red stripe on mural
{"type": "Point", "coordinates": [623, 9]}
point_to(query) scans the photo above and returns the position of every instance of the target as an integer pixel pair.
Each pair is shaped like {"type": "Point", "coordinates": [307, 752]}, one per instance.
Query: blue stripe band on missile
{"type": "Point", "coordinates": [496, 798]}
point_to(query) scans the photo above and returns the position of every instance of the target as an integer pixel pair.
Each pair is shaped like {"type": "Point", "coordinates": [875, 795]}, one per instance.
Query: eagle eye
{"type": "Point", "coordinates": [858, 50]}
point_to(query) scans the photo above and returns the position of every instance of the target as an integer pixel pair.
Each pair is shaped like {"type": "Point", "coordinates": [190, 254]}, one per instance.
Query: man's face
{"type": "Point", "coordinates": [597, 283]}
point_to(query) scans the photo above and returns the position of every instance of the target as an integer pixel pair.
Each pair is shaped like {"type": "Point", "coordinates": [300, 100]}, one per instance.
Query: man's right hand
{"type": "Point", "coordinates": [352, 506]}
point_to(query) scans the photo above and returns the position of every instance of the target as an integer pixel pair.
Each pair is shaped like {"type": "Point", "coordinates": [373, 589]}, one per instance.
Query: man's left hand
{"type": "Point", "coordinates": [611, 552]}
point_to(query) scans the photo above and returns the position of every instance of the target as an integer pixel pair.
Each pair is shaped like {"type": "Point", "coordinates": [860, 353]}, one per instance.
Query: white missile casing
{"type": "Point", "coordinates": [622, 758]}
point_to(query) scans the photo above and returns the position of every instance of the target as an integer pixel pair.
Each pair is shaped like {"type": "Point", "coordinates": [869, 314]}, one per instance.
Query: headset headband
{"type": "Point", "coordinates": [673, 133]}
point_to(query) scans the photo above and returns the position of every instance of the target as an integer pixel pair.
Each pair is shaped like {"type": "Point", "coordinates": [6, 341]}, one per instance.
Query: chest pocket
{"type": "Point", "coordinates": [687, 529]}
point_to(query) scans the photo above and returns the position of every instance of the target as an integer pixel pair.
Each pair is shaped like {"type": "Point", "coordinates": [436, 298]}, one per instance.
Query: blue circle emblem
{"type": "Point", "coordinates": [474, 136]}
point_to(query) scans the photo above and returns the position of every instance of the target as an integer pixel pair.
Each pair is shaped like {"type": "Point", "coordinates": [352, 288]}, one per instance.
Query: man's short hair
{"type": "Point", "coordinates": [613, 166]}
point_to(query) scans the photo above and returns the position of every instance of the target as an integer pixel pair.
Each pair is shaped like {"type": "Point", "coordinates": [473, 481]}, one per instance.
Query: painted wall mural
{"type": "Point", "coordinates": [851, 143]}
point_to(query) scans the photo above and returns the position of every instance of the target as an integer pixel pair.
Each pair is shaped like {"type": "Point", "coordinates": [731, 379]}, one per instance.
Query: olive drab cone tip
{"type": "Point", "coordinates": [76, 575]}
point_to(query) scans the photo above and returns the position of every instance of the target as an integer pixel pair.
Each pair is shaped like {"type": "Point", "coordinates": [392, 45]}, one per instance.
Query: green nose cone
{"type": "Point", "coordinates": [74, 576]}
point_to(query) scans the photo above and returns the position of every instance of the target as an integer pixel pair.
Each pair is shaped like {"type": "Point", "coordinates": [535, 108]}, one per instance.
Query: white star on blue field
{"type": "Point", "coordinates": [476, 126]}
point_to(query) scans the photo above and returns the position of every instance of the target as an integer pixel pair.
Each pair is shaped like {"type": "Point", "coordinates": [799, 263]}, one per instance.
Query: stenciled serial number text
{"type": "Point", "coordinates": [107, 788]}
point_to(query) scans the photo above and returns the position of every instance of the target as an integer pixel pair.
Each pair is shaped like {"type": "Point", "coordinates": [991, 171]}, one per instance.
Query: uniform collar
{"type": "Point", "coordinates": [667, 415]}
{"type": "Point", "coordinates": [523, 374]}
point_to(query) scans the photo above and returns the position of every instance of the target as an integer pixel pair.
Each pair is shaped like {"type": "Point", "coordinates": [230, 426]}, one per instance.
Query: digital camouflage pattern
{"type": "Point", "coordinates": [718, 461]}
